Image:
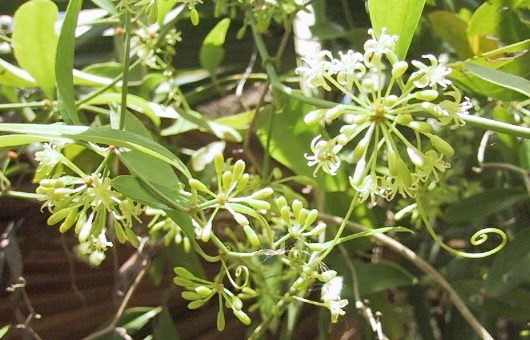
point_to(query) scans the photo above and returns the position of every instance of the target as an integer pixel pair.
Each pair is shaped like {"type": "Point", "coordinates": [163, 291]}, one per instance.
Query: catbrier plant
{"type": "Point", "coordinates": [275, 162]}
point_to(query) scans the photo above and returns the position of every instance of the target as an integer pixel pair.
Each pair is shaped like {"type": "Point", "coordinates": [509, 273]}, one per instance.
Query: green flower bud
{"type": "Point", "coordinates": [422, 127]}
{"type": "Point", "coordinates": [403, 119]}
{"type": "Point", "coordinates": [69, 221]}
{"type": "Point", "coordinates": [314, 116]}
{"type": "Point", "coordinates": [427, 95]}
{"type": "Point", "coordinates": [120, 233]}
{"type": "Point", "coordinates": [297, 206]}
{"type": "Point", "coordinates": [251, 236]}
{"type": "Point", "coordinates": [86, 230]}
{"type": "Point", "coordinates": [280, 202]}
{"type": "Point", "coordinates": [284, 212]}
{"type": "Point", "coordinates": [390, 100]}
{"type": "Point", "coordinates": [262, 193]}
{"type": "Point", "coordinates": [191, 296]}
{"type": "Point", "coordinates": [203, 291]}
{"type": "Point", "coordinates": [239, 168]}
{"type": "Point", "coordinates": [196, 304]}
{"type": "Point", "coordinates": [58, 216]}
{"type": "Point", "coordinates": [248, 291]}
{"type": "Point", "coordinates": [183, 272]}
{"type": "Point", "coordinates": [311, 217]}
{"type": "Point", "coordinates": [197, 185]}
{"type": "Point", "coordinates": [399, 68]}
{"type": "Point", "coordinates": [80, 222]}
{"type": "Point", "coordinates": [404, 173]}
{"type": "Point", "coordinates": [335, 112]}
{"type": "Point", "coordinates": [132, 237]}
{"type": "Point", "coordinates": [368, 84]}
{"type": "Point", "coordinates": [441, 145]}
{"type": "Point", "coordinates": [236, 302]}
{"type": "Point", "coordinates": [259, 204]}
{"type": "Point", "coordinates": [302, 215]}
{"type": "Point", "coordinates": [226, 180]}
{"type": "Point", "coordinates": [194, 17]}
{"type": "Point", "coordinates": [186, 245]}
{"type": "Point", "coordinates": [243, 181]}
{"type": "Point", "coordinates": [360, 149]}
{"type": "Point", "coordinates": [318, 246]}
{"type": "Point", "coordinates": [219, 163]}
{"type": "Point", "coordinates": [242, 316]}
{"type": "Point", "coordinates": [220, 320]}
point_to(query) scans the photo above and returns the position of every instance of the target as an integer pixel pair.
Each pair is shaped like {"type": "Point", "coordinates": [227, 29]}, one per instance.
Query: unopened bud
{"type": "Point", "coordinates": [403, 119]}
{"type": "Point", "coordinates": [263, 193]}
{"type": "Point", "coordinates": [297, 206]}
{"type": "Point", "coordinates": [335, 112]}
{"type": "Point", "coordinates": [68, 221]}
{"type": "Point", "coordinates": [197, 185]}
{"type": "Point", "coordinates": [242, 316]}
{"type": "Point", "coordinates": [390, 100]}
{"type": "Point", "coordinates": [203, 291]}
{"type": "Point", "coordinates": [427, 95]}
{"type": "Point", "coordinates": [422, 127]}
{"type": "Point", "coordinates": [441, 145]}
{"type": "Point", "coordinates": [314, 116]}
{"type": "Point", "coordinates": [239, 168]}
{"type": "Point", "coordinates": [251, 236]}
{"type": "Point", "coordinates": [399, 68]}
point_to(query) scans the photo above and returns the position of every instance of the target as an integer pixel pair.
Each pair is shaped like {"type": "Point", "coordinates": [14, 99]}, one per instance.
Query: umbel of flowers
{"type": "Point", "coordinates": [392, 117]}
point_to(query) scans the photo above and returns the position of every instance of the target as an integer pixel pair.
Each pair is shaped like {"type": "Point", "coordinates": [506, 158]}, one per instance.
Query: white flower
{"type": "Point", "coordinates": [431, 75]}
{"type": "Point", "coordinates": [336, 308]}
{"type": "Point", "coordinates": [331, 290]}
{"type": "Point", "coordinates": [349, 66]}
{"type": "Point", "coordinates": [324, 156]}
{"type": "Point", "coordinates": [316, 69]}
{"type": "Point", "coordinates": [49, 156]}
{"type": "Point", "coordinates": [370, 187]}
{"type": "Point", "coordinates": [375, 48]}
{"type": "Point", "coordinates": [433, 164]}
{"type": "Point", "coordinates": [455, 108]}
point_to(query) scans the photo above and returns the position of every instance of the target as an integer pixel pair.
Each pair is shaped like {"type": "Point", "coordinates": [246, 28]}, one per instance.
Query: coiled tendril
{"type": "Point", "coordinates": [476, 239]}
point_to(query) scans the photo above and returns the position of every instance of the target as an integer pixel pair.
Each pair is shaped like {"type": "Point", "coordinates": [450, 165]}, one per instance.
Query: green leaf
{"type": "Point", "coordinates": [64, 64]}
{"type": "Point", "coordinates": [136, 318]}
{"type": "Point", "coordinates": [500, 78]}
{"type": "Point", "coordinates": [212, 52]}
{"type": "Point", "coordinates": [479, 206]}
{"type": "Point", "coordinates": [452, 29]}
{"type": "Point", "coordinates": [152, 111]}
{"type": "Point", "coordinates": [382, 275]}
{"type": "Point", "coordinates": [35, 41]}
{"type": "Point", "coordinates": [496, 18]}
{"type": "Point", "coordinates": [14, 76]}
{"type": "Point", "coordinates": [511, 266]}
{"type": "Point", "coordinates": [103, 135]}
{"type": "Point", "coordinates": [134, 188]}
{"type": "Point", "coordinates": [219, 130]}
{"type": "Point", "coordinates": [8, 141]}
{"type": "Point", "coordinates": [400, 17]}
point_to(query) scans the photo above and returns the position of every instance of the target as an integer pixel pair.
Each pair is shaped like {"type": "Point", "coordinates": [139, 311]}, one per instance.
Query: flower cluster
{"type": "Point", "coordinates": [391, 119]}
{"type": "Point", "coordinates": [84, 201]}
{"type": "Point", "coordinates": [231, 183]}
{"type": "Point", "coordinates": [155, 53]}
{"type": "Point", "coordinates": [162, 224]}
{"type": "Point", "coordinates": [199, 291]}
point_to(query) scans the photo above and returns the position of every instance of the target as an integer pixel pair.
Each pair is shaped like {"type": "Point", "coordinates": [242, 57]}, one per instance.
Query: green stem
{"type": "Point", "coordinates": [20, 194]}
{"type": "Point", "coordinates": [12, 106]}
{"type": "Point", "coordinates": [126, 64]}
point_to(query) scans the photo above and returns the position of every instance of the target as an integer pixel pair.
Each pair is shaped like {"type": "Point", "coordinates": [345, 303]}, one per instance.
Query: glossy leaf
{"type": "Point", "coordinates": [212, 52]}
{"type": "Point", "coordinates": [64, 64]}
{"type": "Point", "coordinates": [452, 29]}
{"type": "Point", "coordinates": [33, 33]}
{"type": "Point", "coordinates": [400, 17]}
{"type": "Point", "coordinates": [15, 76]}
{"type": "Point", "coordinates": [500, 78]}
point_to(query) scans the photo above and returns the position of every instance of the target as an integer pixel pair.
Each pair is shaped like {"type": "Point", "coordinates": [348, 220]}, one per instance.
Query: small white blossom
{"type": "Point", "coordinates": [324, 156]}
{"type": "Point", "coordinates": [49, 156]}
{"type": "Point", "coordinates": [348, 68]}
{"type": "Point", "coordinates": [432, 75]}
{"type": "Point", "coordinates": [375, 48]}
{"type": "Point", "coordinates": [316, 69]}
